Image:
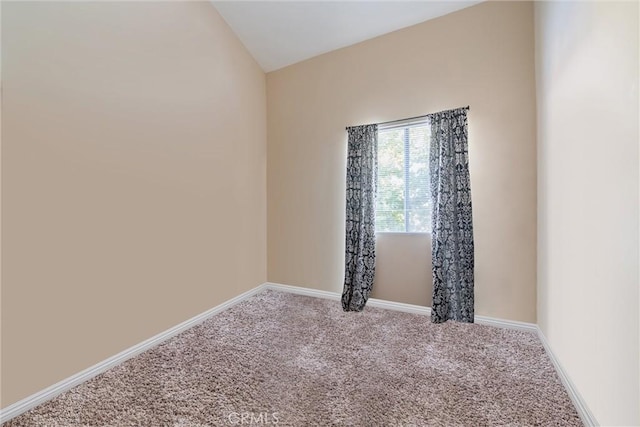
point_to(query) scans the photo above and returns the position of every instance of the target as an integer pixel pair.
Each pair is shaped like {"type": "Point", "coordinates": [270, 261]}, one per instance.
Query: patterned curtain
{"type": "Point", "coordinates": [452, 227]}
{"type": "Point", "coordinates": [360, 246]}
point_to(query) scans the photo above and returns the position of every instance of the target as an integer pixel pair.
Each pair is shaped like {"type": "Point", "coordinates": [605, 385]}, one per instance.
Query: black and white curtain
{"type": "Point", "coordinates": [360, 245]}
{"type": "Point", "coordinates": [452, 226]}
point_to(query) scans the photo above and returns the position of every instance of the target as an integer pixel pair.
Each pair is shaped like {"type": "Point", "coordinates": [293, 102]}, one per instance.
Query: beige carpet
{"type": "Point", "coordinates": [284, 359]}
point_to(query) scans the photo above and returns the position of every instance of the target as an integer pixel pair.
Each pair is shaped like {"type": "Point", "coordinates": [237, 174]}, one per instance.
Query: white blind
{"type": "Point", "coordinates": [403, 200]}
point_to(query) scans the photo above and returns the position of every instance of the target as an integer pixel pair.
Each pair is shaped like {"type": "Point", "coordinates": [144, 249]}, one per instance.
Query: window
{"type": "Point", "coordinates": [403, 201]}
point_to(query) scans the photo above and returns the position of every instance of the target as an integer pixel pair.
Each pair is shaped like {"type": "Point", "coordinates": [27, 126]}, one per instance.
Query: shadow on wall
{"type": "Point", "coordinates": [403, 268]}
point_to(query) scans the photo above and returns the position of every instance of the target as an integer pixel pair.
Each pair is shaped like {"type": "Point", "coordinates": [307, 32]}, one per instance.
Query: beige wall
{"type": "Point", "coordinates": [403, 268]}
{"type": "Point", "coordinates": [482, 56]}
{"type": "Point", "coordinates": [133, 178]}
{"type": "Point", "coordinates": [587, 81]}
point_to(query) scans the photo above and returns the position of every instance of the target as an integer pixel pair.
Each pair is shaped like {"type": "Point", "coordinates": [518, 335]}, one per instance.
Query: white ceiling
{"type": "Point", "coordinates": [280, 33]}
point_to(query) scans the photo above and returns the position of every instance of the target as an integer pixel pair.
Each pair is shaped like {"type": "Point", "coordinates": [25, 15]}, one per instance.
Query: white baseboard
{"type": "Point", "coordinates": [504, 323]}
{"type": "Point", "coordinates": [299, 290]}
{"type": "Point", "coordinates": [371, 302]}
{"type": "Point", "coordinates": [399, 306]}
{"type": "Point", "coordinates": [48, 393]}
{"type": "Point", "coordinates": [583, 410]}
{"type": "Point", "coordinates": [40, 397]}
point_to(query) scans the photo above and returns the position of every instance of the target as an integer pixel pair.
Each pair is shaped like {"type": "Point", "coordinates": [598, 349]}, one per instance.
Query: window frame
{"type": "Point", "coordinates": [405, 124]}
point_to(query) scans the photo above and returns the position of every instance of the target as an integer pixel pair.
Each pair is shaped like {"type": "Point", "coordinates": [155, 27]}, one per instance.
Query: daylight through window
{"type": "Point", "coordinates": [403, 203]}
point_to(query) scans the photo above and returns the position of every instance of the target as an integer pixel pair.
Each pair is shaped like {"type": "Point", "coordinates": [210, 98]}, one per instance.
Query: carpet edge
{"type": "Point", "coordinates": [578, 402]}
{"type": "Point", "coordinates": [583, 410]}
{"type": "Point", "coordinates": [30, 402]}
{"type": "Point", "coordinates": [400, 306]}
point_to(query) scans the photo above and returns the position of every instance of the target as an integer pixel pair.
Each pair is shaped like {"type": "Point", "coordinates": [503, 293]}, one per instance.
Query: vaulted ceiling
{"type": "Point", "coordinates": [280, 33]}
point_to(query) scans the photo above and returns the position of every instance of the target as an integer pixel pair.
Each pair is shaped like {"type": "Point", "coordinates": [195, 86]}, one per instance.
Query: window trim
{"type": "Point", "coordinates": [404, 123]}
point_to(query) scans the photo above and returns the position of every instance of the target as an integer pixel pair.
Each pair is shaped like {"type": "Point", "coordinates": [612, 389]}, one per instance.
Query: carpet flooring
{"type": "Point", "coordinates": [284, 359]}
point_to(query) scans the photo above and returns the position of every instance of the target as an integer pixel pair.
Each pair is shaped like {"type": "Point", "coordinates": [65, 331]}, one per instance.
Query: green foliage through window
{"type": "Point", "coordinates": [402, 203]}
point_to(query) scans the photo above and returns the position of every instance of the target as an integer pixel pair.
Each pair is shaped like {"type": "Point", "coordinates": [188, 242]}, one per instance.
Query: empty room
{"type": "Point", "coordinates": [320, 213]}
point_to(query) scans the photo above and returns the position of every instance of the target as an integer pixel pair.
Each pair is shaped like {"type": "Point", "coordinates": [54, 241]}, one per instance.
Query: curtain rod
{"type": "Point", "coordinates": [416, 117]}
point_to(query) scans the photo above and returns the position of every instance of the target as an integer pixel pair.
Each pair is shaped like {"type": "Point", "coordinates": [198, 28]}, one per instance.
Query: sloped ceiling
{"type": "Point", "coordinates": [281, 33]}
